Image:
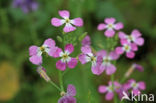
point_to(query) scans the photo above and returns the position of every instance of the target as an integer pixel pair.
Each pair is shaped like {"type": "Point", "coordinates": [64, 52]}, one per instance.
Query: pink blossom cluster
{"type": "Point", "coordinates": [116, 87]}
{"type": "Point", "coordinates": [100, 61]}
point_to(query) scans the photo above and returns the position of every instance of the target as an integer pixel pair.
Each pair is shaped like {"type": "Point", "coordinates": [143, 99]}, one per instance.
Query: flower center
{"type": "Point", "coordinates": [65, 56]}
{"type": "Point", "coordinates": [67, 20]}
{"type": "Point", "coordinates": [110, 88]}
{"type": "Point", "coordinates": [130, 38]}
{"type": "Point", "coordinates": [42, 48]}
{"type": "Point", "coordinates": [93, 59]}
{"type": "Point", "coordinates": [127, 47]}
{"type": "Point", "coordinates": [106, 60]}
{"type": "Point", "coordinates": [134, 85]}
{"type": "Point", "coordinates": [110, 26]}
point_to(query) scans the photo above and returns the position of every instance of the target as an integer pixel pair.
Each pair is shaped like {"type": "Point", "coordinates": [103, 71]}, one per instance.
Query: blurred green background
{"type": "Point", "coordinates": [19, 81]}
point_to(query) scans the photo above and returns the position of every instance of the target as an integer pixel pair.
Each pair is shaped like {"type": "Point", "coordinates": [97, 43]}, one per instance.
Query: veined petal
{"type": "Point", "coordinates": [110, 20]}
{"type": "Point", "coordinates": [96, 69]}
{"type": "Point", "coordinates": [113, 55]}
{"type": "Point", "coordinates": [122, 35]}
{"type": "Point", "coordinates": [33, 50]}
{"type": "Point", "coordinates": [119, 50]}
{"type": "Point", "coordinates": [134, 47]}
{"type": "Point", "coordinates": [86, 49]}
{"type": "Point", "coordinates": [142, 85]}
{"type": "Point", "coordinates": [37, 60]}
{"type": "Point", "coordinates": [64, 13]}
{"type": "Point", "coordinates": [72, 63]}
{"type": "Point", "coordinates": [101, 26]}
{"type": "Point", "coordinates": [77, 22]}
{"type": "Point", "coordinates": [49, 42]}
{"type": "Point", "coordinates": [139, 41]}
{"type": "Point", "coordinates": [110, 69]}
{"type": "Point", "coordinates": [109, 96]}
{"type": "Point", "coordinates": [69, 48]}
{"type": "Point", "coordinates": [109, 33]}
{"type": "Point", "coordinates": [102, 89]}
{"type": "Point", "coordinates": [102, 53]}
{"type": "Point", "coordinates": [52, 51]}
{"type": "Point", "coordinates": [71, 90]}
{"type": "Point", "coordinates": [84, 58]}
{"type": "Point", "coordinates": [56, 22]}
{"type": "Point", "coordinates": [61, 65]}
{"type": "Point", "coordinates": [118, 26]}
{"type": "Point", "coordinates": [68, 28]}
{"type": "Point", "coordinates": [135, 33]}
{"type": "Point", "coordinates": [130, 54]}
{"type": "Point", "coordinates": [57, 52]}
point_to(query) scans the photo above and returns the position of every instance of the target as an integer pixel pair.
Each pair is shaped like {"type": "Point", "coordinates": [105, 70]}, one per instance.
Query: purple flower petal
{"type": "Point", "coordinates": [61, 65]}
{"type": "Point", "coordinates": [138, 67]}
{"type": "Point", "coordinates": [109, 33]}
{"type": "Point", "coordinates": [86, 49]}
{"type": "Point", "coordinates": [83, 58]}
{"type": "Point", "coordinates": [110, 69]}
{"type": "Point", "coordinates": [110, 20]}
{"type": "Point", "coordinates": [57, 52]}
{"type": "Point", "coordinates": [135, 33]}
{"type": "Point", "coordinates": [56, 22]}
{"type": "Point", "coordinates": [33, 50]}
{"type": "Point", "coordinates": [37, 60]}
{"type": "Point", "coordinates": [67, 99]}
{"type": "Point", "coordinates": [77, 22]}
{"type": "Point", "coordinates": [119, 26]}
{"type": "Point", "coordinates": [122, 35]}
{"type": "Point", "coordinates": [114, 55]}
{"type": "Point", "coordinates": [139, 41]}
{"type": "Point", "coordinates": [102, 89]}
{"type": "Point", "coordinates": [109, 96]}
{"type": "Point", "coordinates": [69, 48]}
{"type": "Point", "coordinates": [71, 90]}
{"type": "Point", "coordinates": [86, 41]}
{"type": "Point", "coordinates": [72, 63]}
{"type": "Point", "coordinates": [49, 42]}
{"type": "Point", "coordinates": [119, 50]}
{"type": "Point", "coordinates": [142, 85]}
{"type": "Point", "coordinates": [102, 53]}
{"type": "Point", "coordinates": [68, 28]}
{"type": "Point", "coordinates": [64, 13]}
{"type": "Point", "coordinates": [101, 26]}
{"type": "Point", "coordinates": [96, 69]}
{"type": "Point", "coordinates": [130, 54]}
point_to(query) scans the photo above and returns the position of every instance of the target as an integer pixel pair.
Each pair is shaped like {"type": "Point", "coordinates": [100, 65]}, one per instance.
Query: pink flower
{"type": "Point", "coordinates": [65, 58]}
{"type": "Point", "coordinates": [88, 56]}
{"type": "Point", "coordinates": [69, 24]}
{"type": "Point", "coordinates": [138, 67]}
{"type": "Point", "coordinates": [129, 48]}
{"type": "Point", "coordinates": [69, 96]}
{"type": "Point", "coordinates": [106, 61]}
{"type": "Point", "coordinates": [110, 26]}
{"type": "Point", "coordinates": [136, 87]}
{"type": "Point", "coordinates": [36, 52]}
{"type": "Point", "coordinates": [43, 73]}
{"type": "Point", "coordinates": [86, 41]}
{"type": "Point", "coordinates": [109, 90]}
{"type": "Point", "coordinates": [135, 37]}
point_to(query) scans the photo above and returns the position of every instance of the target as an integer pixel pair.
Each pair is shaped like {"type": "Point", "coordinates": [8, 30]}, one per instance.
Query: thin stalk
{"type": "Point", "coordinates": [61, 81]}
{"type": "Point", "coordinates": [52, 83]}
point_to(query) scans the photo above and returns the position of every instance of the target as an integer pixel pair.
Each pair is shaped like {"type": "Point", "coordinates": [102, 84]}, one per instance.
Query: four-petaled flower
{"type": "Point", "coordinates": [135, 37]}
{"type": "Point", "coordinates": [109, 90]}
{"type": "Point", "coordinates": [68, 97]}
{"type": "Point", "coordinates": [36, 52]}
{"type": "Point", "coordinates": [129, 48]}
{"type": "Point", "coordinates": [65, 58]}
{"type": "Point", "coordinates": [106, 59]}
{"type": "Point", "coordinates": [69, 24]}
{"type": "Point", "coordinates": [136, 87]}
{"type": "Point", "coordinates": [110, 26]}
{"type": "Point", "coordinates": [88, 56]}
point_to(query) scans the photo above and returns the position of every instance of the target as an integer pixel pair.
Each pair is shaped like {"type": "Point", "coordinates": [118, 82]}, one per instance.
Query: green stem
{"type": "Point", "coordinates": [51, 82]}
{"type": "Point", "coordinates": [115, 96]}
{"type": "Point", "coordinates": [61, 81]}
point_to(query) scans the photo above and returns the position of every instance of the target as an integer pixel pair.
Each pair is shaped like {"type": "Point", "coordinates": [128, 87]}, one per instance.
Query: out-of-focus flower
{"type": "Point", "coordinates": [70, 24]}
{"type": "Point", "coordinates": [43, 74]}
{"type": "Point", "coordinates": [25, 5]}
{"type": "Point", "coordinates": [132, 68]}
{"type": "Point", "coordinates": [106, 61]}
{"type": "Point", "coordinates": [65, 58]}
{"type": "Point", "coordinates": [136, 87]}
{"type": "Point", "coordinates": [69, 96]}
{"type": "Point", "coordinates": [36, 52]}
{"type": "Point", "coordinates": [129, 48]}
{"type": "Point", "coordinates": [86, 41]}
{"type": "Point", "coordinates": [109, 90]}
{"type": "Point", "coordinates": [110, 26]}
{"type": "Point", "coordinates": [88, 56]}
{"type": "Point", "coordinates": [135, 37]}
